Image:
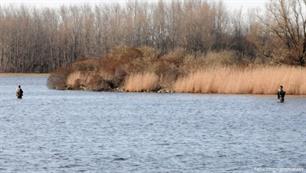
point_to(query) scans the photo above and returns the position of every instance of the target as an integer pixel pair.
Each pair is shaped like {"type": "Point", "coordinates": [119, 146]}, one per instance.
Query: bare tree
{"type": "Point", "coordinates": [289, 25]}
{"type": "Point", "coordinates": [44, 39]}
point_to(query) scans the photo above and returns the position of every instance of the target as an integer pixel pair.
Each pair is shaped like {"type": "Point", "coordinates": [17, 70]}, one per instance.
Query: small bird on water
{"type": "Point", "coordinates": [19, 92]}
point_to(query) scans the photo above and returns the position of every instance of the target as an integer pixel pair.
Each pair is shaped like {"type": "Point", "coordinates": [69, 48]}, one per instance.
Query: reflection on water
{"type": "Point", "coordinates": [72, 131]}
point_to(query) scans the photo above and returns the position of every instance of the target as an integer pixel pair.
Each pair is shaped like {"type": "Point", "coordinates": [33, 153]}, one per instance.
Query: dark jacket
{"type": "Point", "coordinates": [19, 93]}
{"type": "Point", "coordinates": [281, 95]}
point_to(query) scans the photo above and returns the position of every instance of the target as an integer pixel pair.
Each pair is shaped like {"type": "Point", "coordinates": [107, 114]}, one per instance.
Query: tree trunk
{"type": "Point", "coordinates": [303, 56]}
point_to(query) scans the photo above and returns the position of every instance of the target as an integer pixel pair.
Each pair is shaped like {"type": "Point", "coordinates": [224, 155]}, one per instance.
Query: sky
{"type": "Point", "coordinates": [231, 4]}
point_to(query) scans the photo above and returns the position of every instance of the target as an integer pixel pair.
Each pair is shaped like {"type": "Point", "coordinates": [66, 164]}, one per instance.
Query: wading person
{"type": "Point", "coordinates": [19, 92]}
{"type": "Point", "coordinates": [281, 94]}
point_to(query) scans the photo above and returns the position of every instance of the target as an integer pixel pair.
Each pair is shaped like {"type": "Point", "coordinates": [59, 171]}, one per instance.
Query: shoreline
{"type": "Point", "coordinates": [142, 92]}
{"type": "Point", "coordinates": [24, 74]}
{"type": "Point", "coordinates": [222, 80]}
{"type": "Point", "coordinates": [187, 93]}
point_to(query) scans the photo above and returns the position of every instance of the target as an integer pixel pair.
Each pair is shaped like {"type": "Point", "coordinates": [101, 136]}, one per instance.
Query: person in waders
{"type": "Point", "coordinates": [281, 94]}
{"type": "Point", "coordinates": [19, 92]}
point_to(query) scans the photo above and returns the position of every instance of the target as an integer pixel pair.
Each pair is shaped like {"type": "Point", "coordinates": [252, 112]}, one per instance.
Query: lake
{"type": "Point", "coordinates": [77, 131]}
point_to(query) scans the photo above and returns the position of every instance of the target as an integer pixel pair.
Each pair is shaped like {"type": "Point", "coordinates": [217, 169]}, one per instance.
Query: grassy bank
{"type": "Point", "coordinates": [259, 80]}
{"type": "Point", "coordinates": [147, 70]}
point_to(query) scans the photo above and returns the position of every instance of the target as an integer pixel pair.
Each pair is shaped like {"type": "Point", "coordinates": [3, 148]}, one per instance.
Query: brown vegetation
{"type": "Point", "coordinates": [124, 68]}
{"type": "Point", "coordinates": [146, 70]}
{"type": "Point", "coordinates": [142, 82]}
{"type": "Point", "coordinates": [182, 46]}
{"type": "Point", "coordinates": [45, 39]}
{"type": "Point", "coordinates": [259, 80]}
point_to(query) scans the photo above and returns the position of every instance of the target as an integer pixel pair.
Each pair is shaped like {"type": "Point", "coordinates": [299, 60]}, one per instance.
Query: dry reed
{"type": "Point", "coordinates": [260, 80]}
{"type": "Point", "coordinates": [73, 78]}
{"type": "Point", "coordinates": [141, 82]}
{"type": "Point", "coordinates": [78, 78]}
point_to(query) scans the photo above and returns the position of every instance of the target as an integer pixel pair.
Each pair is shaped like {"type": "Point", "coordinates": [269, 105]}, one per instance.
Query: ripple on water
{"type": "Point", "coordinates": [56, 131]}
{"type": "Point", "coordinates": [120, 159]}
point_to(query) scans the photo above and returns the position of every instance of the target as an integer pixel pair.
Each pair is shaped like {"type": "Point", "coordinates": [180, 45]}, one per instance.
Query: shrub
{"type": "Point", "coordinates": [57, 79]}
{"type": "Point", "coordinates": [223, 58]}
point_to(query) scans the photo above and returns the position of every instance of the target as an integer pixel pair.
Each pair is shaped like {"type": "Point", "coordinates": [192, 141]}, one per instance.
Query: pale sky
{"type": "Point", "coordinates": [232, 4]}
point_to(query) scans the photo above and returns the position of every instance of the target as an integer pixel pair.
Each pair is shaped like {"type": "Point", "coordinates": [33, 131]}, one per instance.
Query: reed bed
{"type": "Point", "coordinates": [74, 78]}
{"type": "Point", "coordinates": [141, 82]}
{"type": "Point", "coordinates": [257, 80]}
{"type": "Point", "coordinates": [145, 70]}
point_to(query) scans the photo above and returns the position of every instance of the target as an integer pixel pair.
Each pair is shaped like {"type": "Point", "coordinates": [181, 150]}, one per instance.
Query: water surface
{"type": "Point", "coordinates": [73, 131]}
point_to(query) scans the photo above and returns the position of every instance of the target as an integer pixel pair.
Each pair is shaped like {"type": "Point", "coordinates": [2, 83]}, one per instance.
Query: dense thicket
{"type": "Point", "coordinates": [40, 40]}
{"type": "Point", "coordinates": [144, 70]}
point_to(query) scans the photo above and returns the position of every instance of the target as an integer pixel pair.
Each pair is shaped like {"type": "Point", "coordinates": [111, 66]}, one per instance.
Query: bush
{"type": "Point", "coordinates": [57, 79]}
{"type": "Point", "coordinates": [124, 66]}
{"type": "Point", "coordinates": [223, 58]}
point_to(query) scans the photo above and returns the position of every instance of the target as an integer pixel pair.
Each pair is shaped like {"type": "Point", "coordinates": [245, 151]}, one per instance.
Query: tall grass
{"type": "Point", "coordinates": [230, 80]}
{"type": "Point", "coordinates": [145, 69]}
{"type": "Point", "coordinates": [73, 79]}
{"type": "Point", "coordinates": [141, 82]}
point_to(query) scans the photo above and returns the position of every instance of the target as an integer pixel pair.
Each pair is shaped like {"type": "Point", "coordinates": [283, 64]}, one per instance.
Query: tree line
{"type": "Point", "coordinates": [43, 39]}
